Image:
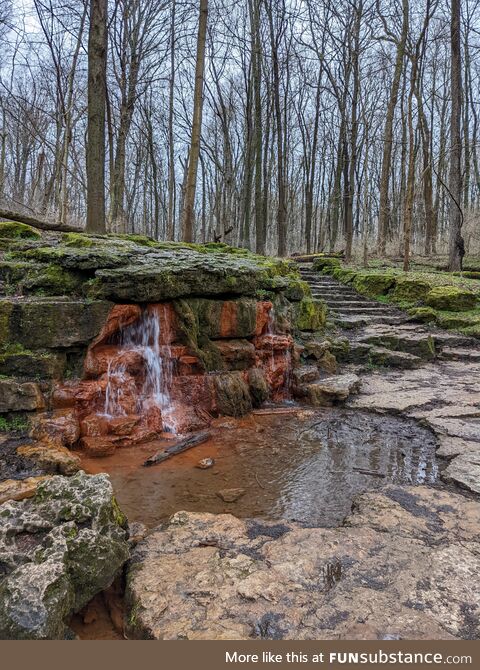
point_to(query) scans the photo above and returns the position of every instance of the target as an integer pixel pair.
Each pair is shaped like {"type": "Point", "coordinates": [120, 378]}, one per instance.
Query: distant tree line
{"type": "Point", "coordinates": [279, 125]}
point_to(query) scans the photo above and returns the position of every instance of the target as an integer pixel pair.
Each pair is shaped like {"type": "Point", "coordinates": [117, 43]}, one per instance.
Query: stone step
{"type": "Point", "coordinates": [394, 359]}
{"type": "Point", "coordinates": [338, 296]}
{"type": "Point", "coordinates": [353, 303]}
{"type": "Point", "coordinates": [356, 320]}
{"type": "Point", "coordinates": [362, 309]}
{"type": "Point", "coordinates": [460, 354]}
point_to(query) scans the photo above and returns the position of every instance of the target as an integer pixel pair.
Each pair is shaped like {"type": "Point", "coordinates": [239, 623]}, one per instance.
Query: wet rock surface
{"type": "Point", "coordinates": [57, 550]}
{"type": "Point", "coordinates": [403, 566]}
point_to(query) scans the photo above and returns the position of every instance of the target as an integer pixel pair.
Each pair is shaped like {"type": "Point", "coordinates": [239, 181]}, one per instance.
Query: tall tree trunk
{"type": "Point", "coordinates": [456, 245]}
{"type": "Point", "coordinates": [97, 86]}
{"type": "Point", "coordinates": [171, 145]}
{"type": "Point", "coordinates": [384, 209]}
{"type": "Point", "coordinates": [191, 183]}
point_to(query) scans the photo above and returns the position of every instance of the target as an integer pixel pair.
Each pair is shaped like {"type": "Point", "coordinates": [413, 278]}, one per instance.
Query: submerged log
{"type": "Point", "coordinates": [177, 448]}
{"type": "Point", "coordinates": [36, 222]}
{"type": "Point", "coordinates": [372, 473]}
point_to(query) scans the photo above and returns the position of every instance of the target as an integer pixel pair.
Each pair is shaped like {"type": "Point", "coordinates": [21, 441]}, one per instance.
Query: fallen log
{"type": "Point", "coordinates": [35, 222]}
{"type": "Point", "coordinates": [372, 473]}
{"type": "Point", "coordinates": [177, 448]}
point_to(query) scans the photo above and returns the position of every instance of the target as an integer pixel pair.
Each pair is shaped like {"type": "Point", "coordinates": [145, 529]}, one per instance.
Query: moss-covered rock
{"type": "Point", "coordinates": [454, 321]}
{"type": "Point", "coordinates": [373, 284]}
{"type": "Point", "coordinates": [52, 280]}
{"type": "Point", "coordinates": [345, 275]}
{"type": "Point", "coordinates": [411, 289]}
{"type": "Point", "coordinates": [59, 549]}
{"type": "Point", "coordinates": [423, 314]}
{"type": "Point", "coordinates": [232, 394]}
{"type": "Point", "coordinates": [6, 308]}
{"type": "Point", "coordinates": [451, 298]}
{"type": "Point", "coordinates": [326, 263]}
{"type": "Point", "coordinates": [16, 230]}
{"type": "Point", "coordinates": [310, 314]}
{"type": "Point", "coordinates": [297, 289]}
{"type": "Point", "coordinates": [15, 361]}
{"type": "Point", "coordinates": [52, 323]}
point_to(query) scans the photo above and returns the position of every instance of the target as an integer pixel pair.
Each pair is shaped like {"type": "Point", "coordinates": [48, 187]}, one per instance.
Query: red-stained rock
{"type": "Point", "coordinates": [228, 319]}
{"type": "Point", "coordinates": [61, 428]}
{"type": "Point", "coordinates": [82, 395]}
{"type": "Point", "coordinates": [97, 447]}
{"type": "Point", "coordinates": [94, 425]}
{"type": "Point", "coordinates": [236, 354]}
{"type": "Point", "coordinates": [98, 360]}
{"type": "Point", "coordinates": [119, 317]}
{"type": "Point", "coordinates": [123, 425]}
{"type": "Point", "coordinates": [264, 309]}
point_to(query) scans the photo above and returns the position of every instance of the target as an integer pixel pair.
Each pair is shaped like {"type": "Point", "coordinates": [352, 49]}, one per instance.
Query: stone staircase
{"type": "Point", "coordinates": [347, 308]}
{"type": "Point", "coordinates": [380, 334]}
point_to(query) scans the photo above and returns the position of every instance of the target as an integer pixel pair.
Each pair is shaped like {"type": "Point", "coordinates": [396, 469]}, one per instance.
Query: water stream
{"type": "Point", "coordinates": [302, 464]}
{"type": "Point", "coordinates": [145, 337]}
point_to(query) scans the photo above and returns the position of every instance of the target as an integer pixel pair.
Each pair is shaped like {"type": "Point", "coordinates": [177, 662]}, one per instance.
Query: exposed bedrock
{"type": "Point", "coordinates": [404, 565]}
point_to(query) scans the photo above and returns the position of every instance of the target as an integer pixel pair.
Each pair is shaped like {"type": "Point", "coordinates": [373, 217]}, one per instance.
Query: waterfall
{"type": "Point", "coordinates": [145, 337]}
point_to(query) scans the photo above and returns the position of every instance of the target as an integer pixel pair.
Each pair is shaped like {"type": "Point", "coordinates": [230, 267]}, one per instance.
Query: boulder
{"type": "Point", "coordinates": [51, 323]}
{"type": "Point", "coordinates": [393, 359]}
{"type": "Point", "coordinates": [20, 396]}
{"type": "Point", "coordinates": [310, 314]}
{"type": "Point", "coordinates": [258, 385]}
{"type": "Point", "coordinates": [451, 298]}
{"type": "Point", "coordinates": [232, 394]}
{"type": "Point", "coordinates": [326, 263]}
{"type": "Point", "coordinates": [18, 362]}
{"type": "Point", "coordinates": [411, 289]}
{"type": "Point", "coordinates": [16, 230]}
{"type": "Point", "coordinates": [51, 458]}
{"type": "Point", "coordinates": [373, 284]}
{"type": "Point", "coordinates": [61, 428]}
{"type": "Point", "coordinates": [59, 549]}
{"type": "Point", "coordinates": [331, 389]}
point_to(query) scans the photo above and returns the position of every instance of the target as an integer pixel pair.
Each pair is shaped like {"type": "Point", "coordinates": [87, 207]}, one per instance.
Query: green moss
{"type": "Point", "coordinates": [469, 274]}
{"type": "Point", "coordinates": [13, 229]}
{"type": "Point", "coordinates": [452, 298]}
{"type": "Point", "coordinates": [142, 240]}
{"type": "Point", "coordinates": [344, 275]}
{"type": "Point", "coordinates": [78, 240]}
{"type": "Point", "coordinates": [14, 424]}
{"type": "Point", "coordinates": [52, 280]}
{"type": "Point", "coordinates": [6, 308]}
{"type": "Point", "coordinates": [310, 314]}
{"type": "Point", "coordinates": [423, 314]}
{"type": "Point", "coordinates": [411, 289]}
{"type": "Point", "coordinates": [472, 331]}
{"type": "Point", "coordinates": [326, 264]}
{"type": "Point", "coordinates": [373, 284]}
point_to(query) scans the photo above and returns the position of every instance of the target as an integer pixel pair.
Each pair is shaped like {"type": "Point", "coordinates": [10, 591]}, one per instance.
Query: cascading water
{"type": "Point", "coordinates": [144, 337]}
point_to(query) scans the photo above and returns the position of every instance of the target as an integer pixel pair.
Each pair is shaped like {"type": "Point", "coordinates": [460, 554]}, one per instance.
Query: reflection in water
{"type": "Point", "coordinates": [307, 465]}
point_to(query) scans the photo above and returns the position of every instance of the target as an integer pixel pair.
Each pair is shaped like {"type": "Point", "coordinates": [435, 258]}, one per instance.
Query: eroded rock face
{"type": "Point", "coordinates": [404, 566]}
{"type": "Point", "coordinates": [57, 550]}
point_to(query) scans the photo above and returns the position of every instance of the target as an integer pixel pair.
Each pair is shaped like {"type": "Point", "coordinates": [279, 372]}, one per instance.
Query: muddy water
{"type": "Point", "coordinates": [304, 465]}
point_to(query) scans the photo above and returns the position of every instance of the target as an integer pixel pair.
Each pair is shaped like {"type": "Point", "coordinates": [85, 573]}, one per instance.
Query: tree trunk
{"type": "Point", "coordinates": [456, 246]}
{"type": "Point", "coordinates": [189, 200]}
{"type": "Point", "coordinates": [97, 75]}
{"type": "Point", "coordinates": [384, 209]}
